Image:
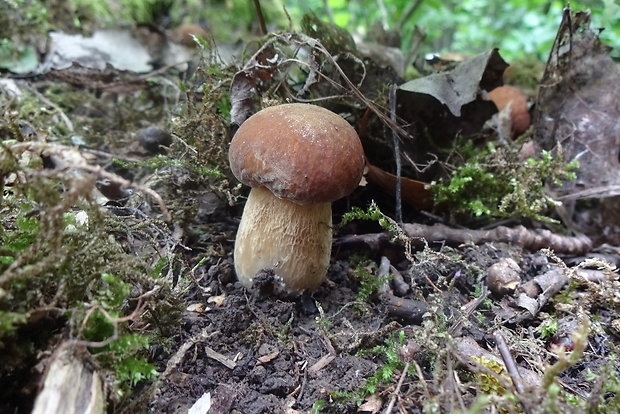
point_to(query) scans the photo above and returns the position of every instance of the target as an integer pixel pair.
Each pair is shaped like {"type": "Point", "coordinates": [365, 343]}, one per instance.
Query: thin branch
{"type": "Point", "coordinates": [261, 18]}
{"type": "Point", "coordinates": [509, 361]}
{"type": "Point", "coordinates": [396, 143]}
{"type": "Point", "coordinates": [47, 102]}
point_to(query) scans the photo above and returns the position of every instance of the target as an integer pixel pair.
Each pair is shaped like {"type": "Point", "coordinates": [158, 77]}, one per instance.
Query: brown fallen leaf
{"type": "Point", "coordinates": [196, 307]}
{"type": "Point", "coordinates": [413, 192]}
{"type": "Point", "coordinates": [269, 357]}
{"type": "Point", "coordinates": [372, 404]}
{"type": "Point", "coordinates": [217, 300]}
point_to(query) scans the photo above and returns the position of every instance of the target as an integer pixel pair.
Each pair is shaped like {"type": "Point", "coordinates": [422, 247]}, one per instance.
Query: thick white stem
{"type": "Point", "coordinates": [292, 240]}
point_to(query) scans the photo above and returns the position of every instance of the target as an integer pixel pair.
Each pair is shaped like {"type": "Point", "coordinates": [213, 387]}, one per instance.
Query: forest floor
{"type": "Point", "coordinates": [451, 323]}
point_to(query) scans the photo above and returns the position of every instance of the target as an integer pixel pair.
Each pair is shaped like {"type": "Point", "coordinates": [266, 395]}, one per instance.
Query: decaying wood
{"type": "Point", "coordinates": [409, 310]}
{"type": "Point", "coordinates": [467, 347]}
{"type": "Point", "coordinates": [521, 236]}
{"type": "Point", "coordinates": [72, 385]}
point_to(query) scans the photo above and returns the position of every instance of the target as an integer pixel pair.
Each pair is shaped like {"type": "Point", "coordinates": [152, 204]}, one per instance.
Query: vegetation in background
{"type": "Point", "coordinates": [517, 27]}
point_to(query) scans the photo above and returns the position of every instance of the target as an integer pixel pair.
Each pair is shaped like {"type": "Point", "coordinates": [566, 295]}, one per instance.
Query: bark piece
{"type": "Point", "coordinates": [71, 386]}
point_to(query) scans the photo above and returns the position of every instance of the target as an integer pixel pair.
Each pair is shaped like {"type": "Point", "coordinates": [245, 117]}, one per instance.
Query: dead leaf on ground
{"type": "Point", "coordinates": [414, 193]}
{"type": "Point", "coordinates": [243, 90]}
{"type": "Point", "coordinates": [372, 404]}
{"type": "Point", "coordinates": [461, 85]}
{"type": "Point", "coordinates": [269, 357]}
{"type": "Point", "coordinates": [442, 105]}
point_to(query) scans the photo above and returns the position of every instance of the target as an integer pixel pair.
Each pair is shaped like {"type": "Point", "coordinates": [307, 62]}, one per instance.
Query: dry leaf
{"type": "Point", "coordinates": [217, 300]}
{"type": "Point", "coordinates": [413, 192]}
{"type": "Point", "coordinates": [269, 357]}
{"type": "Point", "coordinates": [372, 404]}
{"type": "Point", "coordinates": [196, 307]}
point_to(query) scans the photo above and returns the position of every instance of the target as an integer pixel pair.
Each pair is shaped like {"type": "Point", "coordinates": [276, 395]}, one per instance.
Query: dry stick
{"type": "Point", "coordinates": [509, 361]}
{"type": "Point", "coordinates": [261, 18]}
{"type": "Point", "coordinates": [222, 359]}
{"type": "Point", "coordinates": [395, 142]}
{"type": "Point", "coordinates": [408, 13]}
{"type": "Point", "coordinates": [353, 89]}
{"type": "Point", "coordinates": [397, 390]}
{"type": "Point", "coordinates": [60, 112]}
{"type": "Point", "coordinates": [453, 382]}
{"type": "Point", "coordinates": [114, 321]}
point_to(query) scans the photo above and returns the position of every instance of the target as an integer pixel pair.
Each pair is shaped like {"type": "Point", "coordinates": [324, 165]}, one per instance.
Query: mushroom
{"type": "Point", "coordinates": [504, 96]}
{"type": "Point", "coordinates": [298, 159]}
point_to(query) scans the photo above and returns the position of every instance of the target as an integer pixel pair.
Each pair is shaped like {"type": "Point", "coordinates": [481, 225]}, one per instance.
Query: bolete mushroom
{"type": "Point", "coordinates": [298, 159]}
{"type": "Point", "coordinates": [506, 95]}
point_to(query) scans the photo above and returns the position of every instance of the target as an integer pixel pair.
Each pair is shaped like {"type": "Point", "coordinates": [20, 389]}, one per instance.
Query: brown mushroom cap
{"type": "Point", "coordinates": [300, 152]}
{"type": "Point", "coordinates": [502, 96]}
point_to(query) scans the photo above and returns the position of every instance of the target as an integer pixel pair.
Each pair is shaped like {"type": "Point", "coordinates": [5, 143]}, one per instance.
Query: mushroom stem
{"type": "Point", "coordinates": [291, 239]}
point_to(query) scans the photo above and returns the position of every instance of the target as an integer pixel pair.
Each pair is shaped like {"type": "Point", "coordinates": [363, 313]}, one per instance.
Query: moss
{"type": "Point", "coordinates": [494, 182]}
{"type": "Point", "coordinates": [335, 39]}
{"type": "Point", "coordinates": [60, 262]}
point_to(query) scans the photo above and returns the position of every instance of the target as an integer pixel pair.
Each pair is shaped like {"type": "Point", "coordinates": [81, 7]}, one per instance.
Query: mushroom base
{"type": "Point", "coordinates": [292, 240]}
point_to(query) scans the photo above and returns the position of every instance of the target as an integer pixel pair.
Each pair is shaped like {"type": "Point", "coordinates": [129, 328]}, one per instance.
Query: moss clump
{"type": "Point", "coordinates": [494, 182]}
{"type": "Point", "coordinates": [68, 270]}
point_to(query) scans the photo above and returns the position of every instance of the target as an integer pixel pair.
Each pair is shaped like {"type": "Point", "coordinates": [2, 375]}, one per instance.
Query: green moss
{"type": "Point", "coordinates": [548, 328]}
{"type": "Point", "coordinates": [493, 182]}
{"type": "Point", "coordinates": [371, 213]}
{"type": "Point", "coordinates": [59, 259]}
{"type": "Point", "coordinates": [369, 283]}
{"type": "Point", "coordinates": [392, 363]}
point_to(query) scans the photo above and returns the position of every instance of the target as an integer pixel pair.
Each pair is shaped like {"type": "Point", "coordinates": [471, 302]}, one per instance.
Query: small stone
{"type": "Point", "coordinates": [152, 139]}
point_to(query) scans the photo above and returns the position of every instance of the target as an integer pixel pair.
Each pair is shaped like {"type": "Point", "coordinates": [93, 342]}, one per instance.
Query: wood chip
{"type": "Point", "coordinates": [228, 363]}
{"type": "Point", "coordinates": [320, 364]}
{"type": "Point", "coordinates": [269, 357]}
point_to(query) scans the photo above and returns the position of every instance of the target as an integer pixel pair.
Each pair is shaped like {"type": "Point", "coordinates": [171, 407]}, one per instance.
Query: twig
{"type": "Point", "coordinates": [114, 321]}
{"type": "Point", "coordinates": [46, 101]}
{"type": "Point", "coordinates": [220, 358]}
{"type": "Point", "coordinates": [61, 151]}
{"type": "Point", "coordinates": [521, 236]}
{"type": "Point", "coordinates": [261, 18]}
{"type": "Point", "coordinates": [397, 390]}
{"type": "Point", "coordinates": [126, 183]}
{"type": "Point", "coordinates": [509, 361]}
{"type": "Point", "coordinates": [353, 89]}
{"type": "Point", "coordinates": [408, 310]}
{"type": "Point", "coordinates": [398, 214]}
